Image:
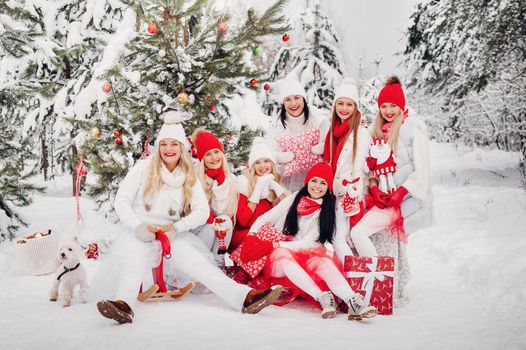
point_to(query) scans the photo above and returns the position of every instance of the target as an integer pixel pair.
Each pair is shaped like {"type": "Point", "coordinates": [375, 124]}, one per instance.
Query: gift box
{"type": "Point", "coordinates": [300, 144]}
{"type": "Point", "coordinates": [267, 232]}
{"type": "Point", "coordinates": [373, 278]}
{"type": "Point", "coordinates": [38, 253]}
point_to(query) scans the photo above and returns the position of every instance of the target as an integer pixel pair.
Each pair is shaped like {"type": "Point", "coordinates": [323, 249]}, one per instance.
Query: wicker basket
{"type": "Point", "coordinates": [39, 255]}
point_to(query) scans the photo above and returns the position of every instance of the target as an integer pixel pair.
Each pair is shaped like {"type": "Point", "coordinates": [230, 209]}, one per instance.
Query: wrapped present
{"type": "Point", "coordinates": [373, 278]}
{"type": "Point", "coordinates": [92, 251]}
{"type": "Point", "coordinates": [300, 144]}
{"type": "Point", "coordinates": [267, 232]}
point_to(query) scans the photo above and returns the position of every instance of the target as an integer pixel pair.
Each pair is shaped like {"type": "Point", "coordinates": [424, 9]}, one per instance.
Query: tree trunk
{"type": "Point", "coordinates": [74, 157]}
{"type": "Point", "coordinates": [44, 158]}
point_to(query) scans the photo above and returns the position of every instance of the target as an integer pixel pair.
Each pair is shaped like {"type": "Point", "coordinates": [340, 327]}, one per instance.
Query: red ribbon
{"type": "Point", "coordinates": [146, 152]}
{"type": "Point", "coordinates": [80, 170]}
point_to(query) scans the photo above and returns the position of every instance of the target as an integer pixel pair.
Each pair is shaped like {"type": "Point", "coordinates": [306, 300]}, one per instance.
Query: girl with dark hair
{"type": "Point", "coordinates": [307, 260]}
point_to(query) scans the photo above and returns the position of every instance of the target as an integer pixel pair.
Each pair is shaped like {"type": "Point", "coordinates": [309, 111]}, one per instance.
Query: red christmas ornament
{"type": "Point", "coordinates": [118, 140]}
{"type": "Point", "coordinates": [212, 108]}
{"type": "Point", "coordinates": [116, 133]}
{"type": "Point", "coordinates": [285, 37]}
{"type": "Point", "coordinates": [152, 28]}
{"type": "Point", "coordinates": [106, 87]}
{"type": "Point", "coordinates": [83, 172]}
{"type": "Point", "coordinates": [266, 87]}
{"type": "Point", "coordinates": [222, 27]}
{"type": "Point", "coordinates": [92, 251]}
{"type": "Point", "coordinates": [253, 82]}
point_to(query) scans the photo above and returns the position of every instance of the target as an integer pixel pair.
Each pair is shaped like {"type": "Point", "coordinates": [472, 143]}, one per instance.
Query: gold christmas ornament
{"type": "Point", "coordinates": [95, 132]}
{"type": "Point", "coordinates": [182, 98]}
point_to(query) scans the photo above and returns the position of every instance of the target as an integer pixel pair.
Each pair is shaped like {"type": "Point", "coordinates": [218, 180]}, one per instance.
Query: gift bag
{"type": "Point", "coordinates": [267, 232]}
{"type": "Point", "coordinates": [38, 253]}
{"type": "Point", "coordinates": [373, 278]}
{"type": "Point", "coordinates": [300, 144]}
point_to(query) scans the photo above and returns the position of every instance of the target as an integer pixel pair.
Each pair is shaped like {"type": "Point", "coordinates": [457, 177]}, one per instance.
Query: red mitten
{"type": "Point", "coordinates": [397, 197]}
{"type": "Point", "coordinates": [254, 248]}
{"type": "Point", "coordinates": [165, 242]}
{"type": "Point", "coordinates": [211, 217]}
{"type": "Point", "coordinates": [380, 198]}
{"type": "Point", "coordinates": [216, 174]}
{"type": "Point", "coordinates": [371, 162]}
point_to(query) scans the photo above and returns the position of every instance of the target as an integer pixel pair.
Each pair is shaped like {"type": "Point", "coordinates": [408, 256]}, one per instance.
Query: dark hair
{"type": "Point", "coordinates": [283, 113]}
{"type": "Point", "coordinates": [326, 220]}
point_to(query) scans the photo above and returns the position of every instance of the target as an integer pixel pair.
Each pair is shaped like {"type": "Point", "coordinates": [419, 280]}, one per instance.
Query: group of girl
{"type": "Point", "coordinates": [188, 200]}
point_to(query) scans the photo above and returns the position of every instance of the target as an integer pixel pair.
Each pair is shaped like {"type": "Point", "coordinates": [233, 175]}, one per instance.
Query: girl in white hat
{"type": "Point", "coordinates": [162, 191]}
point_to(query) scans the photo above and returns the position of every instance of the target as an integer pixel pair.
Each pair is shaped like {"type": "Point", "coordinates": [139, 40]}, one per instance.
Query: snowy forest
{"type": "Point", "coordinates": [83, 84]}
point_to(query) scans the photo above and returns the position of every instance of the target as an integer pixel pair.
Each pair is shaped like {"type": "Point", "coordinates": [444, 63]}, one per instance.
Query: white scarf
{"type": "Point", "coordinates": [173, 187]}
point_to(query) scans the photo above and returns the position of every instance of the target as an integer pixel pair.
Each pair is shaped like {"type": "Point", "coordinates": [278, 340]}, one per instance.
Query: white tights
{"type": "Point", "coordinates": [375, 220]}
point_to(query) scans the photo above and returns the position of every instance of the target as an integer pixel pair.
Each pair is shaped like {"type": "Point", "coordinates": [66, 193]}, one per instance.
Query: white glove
{"type": "Point", "coordinates": [261, 185]}
{"type": "Point", "coordinates": [352, 190]}
{"type": "Point", "coordinates": [143, 233]}
{"type": "Point", "coordinates": [318, 149]}
{"type": "Point", "coordinates": [276, 187]}
{"type": "Point", "coordinates": [284, 157]}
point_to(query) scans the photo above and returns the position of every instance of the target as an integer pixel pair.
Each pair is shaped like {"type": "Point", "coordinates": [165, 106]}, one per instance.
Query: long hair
{"type": "Point", "coordinates": [233, 195]}
{"type": "Point", "coordinates": [392, 139]}
{"type": "Point", "coordinates": [326, 219]}
{"type": "Point", "coordinates": [283, 113]}
{"type": "Point", "coordinates": [154, 182]}
{"type": "Point", "coordinates": [252, 179]}
{"type": "Point", "coordinates": [354, 123]}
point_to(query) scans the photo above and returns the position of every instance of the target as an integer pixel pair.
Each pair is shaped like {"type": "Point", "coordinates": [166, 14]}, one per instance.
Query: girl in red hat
{"type": "Point", "coordinates": [307, 261]}
{"type": "Point", "coordinates": [409, 207]}
{"type": "Point", "coordinates": [220, 188]}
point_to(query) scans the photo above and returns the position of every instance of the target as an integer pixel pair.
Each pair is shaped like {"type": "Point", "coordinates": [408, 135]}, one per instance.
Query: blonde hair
{"type": "Point", "coordinates": [253, 177]}
{"type": "Point", "coordinates": [354, 123]}
{"type": "Point", "coordinates": [154, 182]}
{"type": "Point", "coordinates": [232, 199]}
{"type": "Point", "coordinates": [392, 139]}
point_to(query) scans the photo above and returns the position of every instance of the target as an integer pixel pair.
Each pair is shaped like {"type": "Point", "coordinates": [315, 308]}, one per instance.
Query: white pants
{"type": "Point", "coordinates": [284, 265]}
{"type": "Point", "coordinates": [375, 220]}
{"type": "Point", "coordinates": [207, 235]}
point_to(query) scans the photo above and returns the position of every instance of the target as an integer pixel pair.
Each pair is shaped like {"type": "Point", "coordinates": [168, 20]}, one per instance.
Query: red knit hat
{"type": "Point", "coordinates": [204, 142]}
{"type": "Point", "coordinates": [392, 93]}
{"type": "Point", "coordinates": [321, 170]}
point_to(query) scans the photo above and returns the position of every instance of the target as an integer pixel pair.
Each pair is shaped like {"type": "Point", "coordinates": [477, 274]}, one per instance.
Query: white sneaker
{"type": "Point", "coordinates": [358, 309]}
{"type": "Point", "coordinates": [328, 305]}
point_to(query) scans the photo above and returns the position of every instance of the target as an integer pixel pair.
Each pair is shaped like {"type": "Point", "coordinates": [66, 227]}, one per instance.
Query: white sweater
{"type": "Point", "coordinates": [130, 208]}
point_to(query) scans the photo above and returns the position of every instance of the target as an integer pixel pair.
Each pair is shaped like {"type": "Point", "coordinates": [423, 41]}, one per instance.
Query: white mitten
{"type": "Point", "coordinates": [284, 157]}
{"type": "Point", "coordinates": [325, 125]}
{"type": "Point", "coordinates": [261, 185]}
{"type": "Point", "coordinates": [318, 149]}
{"type": "Point", "coordinates": [143, 233]}
{"type": "Point", "coordinates": [276, 187]}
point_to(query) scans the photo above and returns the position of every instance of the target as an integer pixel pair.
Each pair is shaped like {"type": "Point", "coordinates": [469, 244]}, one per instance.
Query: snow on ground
{"type": "Point", "coordinates": [468, 289]}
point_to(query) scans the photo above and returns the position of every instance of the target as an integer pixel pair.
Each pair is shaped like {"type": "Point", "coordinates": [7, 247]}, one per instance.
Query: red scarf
{"type": "Point", "coordinates": [307, 206]}
{"type": "Point", "coordinates": [339, 132]}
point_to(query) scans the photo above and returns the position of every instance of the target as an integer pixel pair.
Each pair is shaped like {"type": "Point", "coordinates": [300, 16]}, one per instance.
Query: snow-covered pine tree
{"type": "Point", "coordinates": [467, 60]}
{"type": "Point", "coordinates": [314, 58]}
{"type": "Point", "coordinates": [16, 160]}
{"type": "Point", "coordinates": [183, 52]}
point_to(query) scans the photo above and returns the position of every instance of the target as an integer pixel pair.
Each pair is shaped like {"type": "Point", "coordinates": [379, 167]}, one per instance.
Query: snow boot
{"type": "Point", "coordinates": [257, 300]}
{"type": "Point", "coordinates": [116, 310]}
{"type": "Point", "coordinates": [358, 309]}
{"type": "Point", "coordinates": [328, 305]}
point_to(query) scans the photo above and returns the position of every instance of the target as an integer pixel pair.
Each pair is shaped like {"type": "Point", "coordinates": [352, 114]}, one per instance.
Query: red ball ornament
{"type": "Point", "coordinates": [222, 27]}
{"type": "Point", "coordinates": [116, 133]}
{"type": "Point", "coordinates": [83, 172]}
{"type": "Point", "coordinates": [266, 87]}
{"type": "Point", "coordinates": [118, 140]}
{"type": "Point", "coordinates": [106, 87]}
{"type": "Point", "coordinates": [212, 108]}
{"type": "Point", "coordinates": [253, 82]}
{"type": "Point", "coordinates": [152, 28]}
{"type": "Point", "coordinates": [285, 37]}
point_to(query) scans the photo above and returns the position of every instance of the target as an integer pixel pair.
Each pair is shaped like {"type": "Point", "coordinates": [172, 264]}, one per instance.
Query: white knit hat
{"type": "Point", "coordinates": [172, 128]}
{"type": "Point", "coordinates": [347, 89]}
{"type": "Point", "coordinates": [260, 150]}
{"type": "Point", "coordinates": [291, 87]}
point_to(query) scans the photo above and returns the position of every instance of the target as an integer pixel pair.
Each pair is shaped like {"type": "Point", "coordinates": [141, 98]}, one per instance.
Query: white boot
{"type": "Point", "coordinates": [326, 300]}
{"type": "Point", "coordinates": [358, 309]}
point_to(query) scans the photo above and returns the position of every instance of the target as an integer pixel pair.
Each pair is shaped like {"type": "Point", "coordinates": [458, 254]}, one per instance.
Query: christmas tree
{"type": "Point", "coordinates": [185, 54]}
{"type": "Point", "coordinates": [315, 59]}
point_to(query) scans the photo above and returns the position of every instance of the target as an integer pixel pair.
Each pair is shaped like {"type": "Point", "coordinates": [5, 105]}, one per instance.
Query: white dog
{"type": "Point", "coordinates": [70, 273]}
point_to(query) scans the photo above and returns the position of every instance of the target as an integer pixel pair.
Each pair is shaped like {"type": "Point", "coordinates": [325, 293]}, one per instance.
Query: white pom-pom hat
{"type": "Point", "coordinates": [291, 87]}
{"type": "Point", "coordinates": [347, 89]}
{"type": "Point", "coordinates": [172, 128]}
{"type": "Point", "coordinates": [260, 150]}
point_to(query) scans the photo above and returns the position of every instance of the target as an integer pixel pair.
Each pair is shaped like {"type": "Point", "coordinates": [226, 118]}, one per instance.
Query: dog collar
{"type": "Point", "coordinates": [66, 270]}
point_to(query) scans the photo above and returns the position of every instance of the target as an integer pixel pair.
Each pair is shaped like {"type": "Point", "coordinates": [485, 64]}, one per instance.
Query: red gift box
{"type": "Point", "coordinates": [300, 144]}
{"type": "Point", "coordinates": [267, 232]}
{"type": "Point", "coordinates": [372, 277]}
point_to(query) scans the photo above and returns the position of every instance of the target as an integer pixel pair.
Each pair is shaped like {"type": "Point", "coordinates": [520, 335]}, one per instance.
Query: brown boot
{"type": "Point", "coordinates": [257, 300]}
{"type": "Point", "coordinates": [116, 310]}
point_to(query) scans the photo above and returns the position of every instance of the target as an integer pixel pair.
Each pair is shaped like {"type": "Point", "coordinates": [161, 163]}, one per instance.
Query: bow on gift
{"type": "Point", "coordinates": [369, 277]}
